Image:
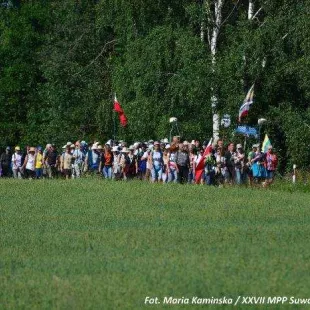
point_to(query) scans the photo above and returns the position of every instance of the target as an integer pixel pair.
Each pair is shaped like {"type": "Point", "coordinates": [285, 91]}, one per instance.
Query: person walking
{"type": "Point", "coordinates": [124, 163]}
{"type": "Point", "coordinates": [271, 163]}
{"type": "Point", "coordinates": [172, 165]}
{"type": "Point", "coordinates": [191, 174]}
{"type": "Point", "coordinates": [258, 166]}
{"type": "Point", "coordinates": [166, 163]}
{"type": "Point", "coordinates": [210, 164]}
{"type": "Point", "coordinates": [116, 175]}
{"type": "Point", "coordinates": [51, 161]}
{"type": "Point", "coordinates": [239, 165]}
{"type": "Point", "coordinates": [92, 159]}
{"type": "Point", "coordinates": [6, 162]}
{"type": "Point", "coordinates": [182, 161]}
{"type": "Point", "coordinates": [106, 162]}
{"type": "Point", "coordinates": [29, 164]}
{"type": "Point", "coordinates": [132, 163]}
{"type": "Point", "coordinates": [220, 167]}
{"type": "Point", "coordinates": [78, 159]}
{"type": "Point", "coordinates": [17, 163]}
{"type": "Point", "coordinates": [156, 163]}
{"type": "Point", "coordinates": [230, 164]}
{"type": "Point", "coordinates": [142, 161]}
{"type": "Point", "coordinates": [39, 163]}
{"type": "Point", "coordinates": [66, 163]}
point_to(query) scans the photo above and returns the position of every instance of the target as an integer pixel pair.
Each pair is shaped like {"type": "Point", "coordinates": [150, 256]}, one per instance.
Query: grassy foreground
{"type": "Point", "coordinates": [91, 244]}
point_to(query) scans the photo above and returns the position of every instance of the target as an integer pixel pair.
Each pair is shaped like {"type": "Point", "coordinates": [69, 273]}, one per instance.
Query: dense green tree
{"type": "Point", "coordinates": [62, 61]}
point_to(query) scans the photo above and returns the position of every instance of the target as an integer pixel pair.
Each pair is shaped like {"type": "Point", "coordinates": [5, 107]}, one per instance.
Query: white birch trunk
{"type": "Point", "coordinates": [203, 26]}
{"type": "Point", "coordinates": [251, 9]}
{"type": "Point", "coordinates": [216, 19]}
{"type": "Point", "coordinates": [250, 17]}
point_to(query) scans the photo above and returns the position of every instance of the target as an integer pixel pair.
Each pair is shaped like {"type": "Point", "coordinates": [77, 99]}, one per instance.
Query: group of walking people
{"type": "Point", "coordinates": [157, 161]}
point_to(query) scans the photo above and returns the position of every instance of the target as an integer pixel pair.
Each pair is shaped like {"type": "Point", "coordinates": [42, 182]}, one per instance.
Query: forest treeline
{"type": "Point", "coordinates": [62, 61]}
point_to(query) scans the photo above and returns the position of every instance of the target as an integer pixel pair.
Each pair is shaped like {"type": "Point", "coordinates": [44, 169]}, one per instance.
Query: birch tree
{"type": "Point", "coordinates": [251, 9]}
{"type": "Point", "coordinates": [213, 12]}
{"type": "Point", "coordinates": [210, 28]}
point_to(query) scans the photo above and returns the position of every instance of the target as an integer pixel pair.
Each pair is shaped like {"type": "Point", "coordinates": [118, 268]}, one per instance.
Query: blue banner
{"type": "Point", "coordinates": [247, 131]}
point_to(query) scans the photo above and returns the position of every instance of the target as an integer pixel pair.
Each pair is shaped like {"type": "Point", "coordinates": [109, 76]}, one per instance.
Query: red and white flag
{"type": "Point", "coordinates": [244, 109]}
{"type": "Point", "coordinates": [201, 165]}
{"type": "Point", "coordinates": [121, 114]}
{"type": "Point", "coordinates": [117, 106]}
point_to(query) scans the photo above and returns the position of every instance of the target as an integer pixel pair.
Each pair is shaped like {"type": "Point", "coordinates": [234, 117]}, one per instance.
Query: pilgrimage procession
{"type": "Point", "coordinates": [164, 161]}
{"type": "Point", "coordinates": [157, 161]}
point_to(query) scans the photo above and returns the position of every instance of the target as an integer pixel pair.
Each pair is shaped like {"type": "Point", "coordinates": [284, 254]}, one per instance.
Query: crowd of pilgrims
{"type": "Point", "coordinates": [156, 161]}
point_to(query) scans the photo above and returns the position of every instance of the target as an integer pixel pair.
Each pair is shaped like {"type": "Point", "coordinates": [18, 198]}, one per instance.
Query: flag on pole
{"type": "Point", "coordinates": [266, 144]}
{"type": "Point", "coordinates": [201, 165]}
{"type": "Point", "coordinates": [244, 109]}
{"type": "Point", "coordinates": [117, 106]}
{"type": "Point", "coordinates": [121, 114]}
{"type": "Point", "coordinates": [123, 119]}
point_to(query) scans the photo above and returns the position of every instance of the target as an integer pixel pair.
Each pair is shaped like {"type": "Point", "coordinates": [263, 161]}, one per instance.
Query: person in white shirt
{"type": "Point", "coordinates": [157, 163]}
{"type": "Point", "coordinates": [29, 164]}
{"type": "Point", "coordinates": [17, 163]}
{"type": "Point", "coordinates": [78, 158]}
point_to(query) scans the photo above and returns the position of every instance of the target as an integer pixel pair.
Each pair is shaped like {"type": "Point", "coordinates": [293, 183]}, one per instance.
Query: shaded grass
{"type": "Point", "coordinates": [90, 244]}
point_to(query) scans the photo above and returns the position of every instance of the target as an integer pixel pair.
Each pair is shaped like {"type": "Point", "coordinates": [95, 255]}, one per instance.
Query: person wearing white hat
{"type": "Point", "coordinates": [132, 163]}
{"type": "Point", "coordinates": [52, 162]}
{"type": "Point", "coordinates": [47, 148]}
{"type": "Point", "coordinates": [125, 150]}
{"type": "Point", "coordinates": [66, 163]}
{"type": "Point", "coordinates": [116, 163]}
{"type": "Point", "coordinates": [29, 164]}
{"type": "Point", "coordinates": [124, 162]}
{"type": "Point", "coordinates": [78, 158]}
{"type": "Point", "coordinates": [92, 159]}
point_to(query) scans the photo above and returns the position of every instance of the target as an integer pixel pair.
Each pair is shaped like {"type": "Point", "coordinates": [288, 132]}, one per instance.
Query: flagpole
{"type": "Point", "coordinates": [114, 127]}
{"type": "Point", "coordinates": [114, 121]}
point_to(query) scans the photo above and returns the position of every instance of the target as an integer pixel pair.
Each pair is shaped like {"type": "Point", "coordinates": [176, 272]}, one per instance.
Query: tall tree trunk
{"type": "Point", "coordinates": [251, 9]}
{"type": "Point", "coordinates": [245, 77]}
{"type": "Point", "coordinates": [214, 15]}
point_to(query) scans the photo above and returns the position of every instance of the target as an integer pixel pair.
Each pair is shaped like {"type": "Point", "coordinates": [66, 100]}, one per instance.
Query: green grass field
{"type": "Point", "coordinates": [91, 244]}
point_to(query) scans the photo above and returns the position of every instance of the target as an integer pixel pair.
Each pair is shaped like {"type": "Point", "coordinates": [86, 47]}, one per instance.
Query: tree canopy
{"type": "Point", "coordinates": [62, 61]}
